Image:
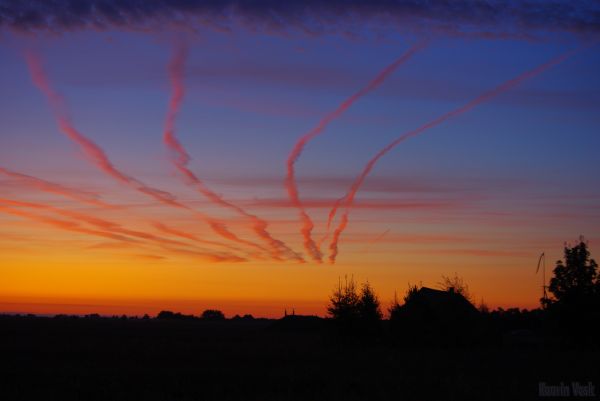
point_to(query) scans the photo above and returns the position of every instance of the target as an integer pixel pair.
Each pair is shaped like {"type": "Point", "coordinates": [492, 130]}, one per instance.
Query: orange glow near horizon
{"type": "Point", "coordinates": [67, 272]}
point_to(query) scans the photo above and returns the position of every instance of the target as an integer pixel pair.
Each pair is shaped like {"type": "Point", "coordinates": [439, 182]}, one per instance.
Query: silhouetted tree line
{"type": "Point", "coordinates": [208, 314]}
{"type": "Point", "coordinates": [447, 316]}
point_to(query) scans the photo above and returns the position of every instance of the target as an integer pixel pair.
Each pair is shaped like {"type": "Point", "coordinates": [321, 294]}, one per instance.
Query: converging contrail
{"type": "Point", "coordinates": [94, 200]}
{"type": "Point", "coordinates": [103, 224]}
{"type": "Point", "coordinates": [98, 157]}
{"type": "Point", "coordinates": [104, 228]}
{"type": "Point", "coordinates": [63, 224]}
{"type": "Point", "coordinates": [189, 236]}
{"type": "Point", "coordinates": [56, 189]}
{"type": "Point", "coordinates": [181, 158]}
{"type": "Point", "coordinates": [350, 195]}
{"type": "Point", "coordinates": [290, 181]}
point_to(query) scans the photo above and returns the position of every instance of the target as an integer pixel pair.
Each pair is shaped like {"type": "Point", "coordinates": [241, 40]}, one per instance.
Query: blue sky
{"type": "Point", "coordinates": [516, 174]}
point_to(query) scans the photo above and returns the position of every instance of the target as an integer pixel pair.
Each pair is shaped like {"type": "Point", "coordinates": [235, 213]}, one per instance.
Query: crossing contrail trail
{"type": "Point", "coordinates": [350, 195]}
{"type": "Point", "coordinates": [103, 224]}
{"type": "Point", "coordinates": [94, 200]}
{"type": "Point", "coordinates": [192, 237]}
{"type": "Point", "coordinates": [98, 157]}
{"type": "Point", "coordinates": [181, 158]}
{"type": "Point", "coordinates": [56, 189]}
{"type": "Point", "coordinates": [63, 224]}
{"type": "Point", "coordinates": [290, 181]}
{"type": "Point", "coordinates": [103, 227]}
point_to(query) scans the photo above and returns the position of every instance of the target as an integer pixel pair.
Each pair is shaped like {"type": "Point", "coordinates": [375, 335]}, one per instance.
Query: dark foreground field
{"type": "Point", "coordinates": [116, 359]}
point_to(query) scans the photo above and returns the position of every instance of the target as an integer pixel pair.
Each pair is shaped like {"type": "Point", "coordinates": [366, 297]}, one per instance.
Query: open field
{"type": "Point", "coordinates": [117, 359]}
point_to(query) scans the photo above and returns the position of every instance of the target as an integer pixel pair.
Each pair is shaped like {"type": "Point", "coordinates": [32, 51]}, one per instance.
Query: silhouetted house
{"type": "Point", "coordinates": [444, 306]}
{"type": "Point", "coordinates": [432, 316]}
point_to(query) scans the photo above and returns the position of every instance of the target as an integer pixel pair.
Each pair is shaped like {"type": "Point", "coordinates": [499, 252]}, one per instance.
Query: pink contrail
{"type": "Point", "coordinates": [103, 224]}
{"type": "Point", "coordinates": [106, 228]}
{"type": "Point", "coordinates": [89, 148]}
{"type": "Point", "coordinates": [379, 237]}
{"type": "Point", "coordinates": [56, 189]}
{"type": "Point", "coordinates": [349, 198]}
{"type": "Point", "coordinates": [181, 158]}
{"type": "Point", "coordinates": [99, 158]}
{"type": "Point", "coordinates": [63, 224]}
{"type": "Point", "coordinates": [290, 181]}
{"type": "Point", "coordinates": [77, 228]}
{"type": "Point", "coordinates": [183, 234]}
{"type": "Point", "coordinates": [93, 199]}
{"type": "Point", "coordinates": [333, 211]}
{"type": "Point", "coordinates": [176, 69]}
{"type": "Point", "coordinates": [375, 240]}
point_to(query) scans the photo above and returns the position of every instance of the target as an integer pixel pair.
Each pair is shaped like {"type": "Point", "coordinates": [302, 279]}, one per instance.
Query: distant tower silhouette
{"type": "Point", "coordinates": [293, 312]}
{"type": "Point", "coordinates": [285, 312]}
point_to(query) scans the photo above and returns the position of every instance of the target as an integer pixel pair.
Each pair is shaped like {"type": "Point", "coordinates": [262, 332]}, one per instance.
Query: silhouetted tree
{"type": "Point", "coordinates": [355, 314]}
{"type": "Point", "coordinates": [369, 312]}
{"type": "Point", "coordinates": [456, 284]}
{"type": "Point", "coordinates": [369, 308]}
{"type": "Point", "coordinates": [343, 303]}
{"type": "Point", "coordinates": [166, 314]}
{"type": "Point", "coordinates": [483, 307]}
{"type": "Point", "coordinates": [576, 277]}
{"type": "Point", "coordinates": [245, 317]}
{"type": "Point", "coordinates": [575, 302]}
{"type": "Point", "coordinates": [212, 314]}
{"type": "Point", "coordinates": [396, 312]}
{"type": "Point", "coordinates": [394, 309]}
{"type": "Point", "coordinates": [411, 292]}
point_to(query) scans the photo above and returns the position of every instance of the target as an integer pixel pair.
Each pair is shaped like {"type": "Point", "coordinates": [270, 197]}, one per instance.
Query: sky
{"type": "Point", "coordinates": [192, 155]}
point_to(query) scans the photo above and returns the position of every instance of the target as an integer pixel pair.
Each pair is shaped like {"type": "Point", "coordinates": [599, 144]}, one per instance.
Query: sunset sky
{"type": "Point", "coordinates": [101, 212]}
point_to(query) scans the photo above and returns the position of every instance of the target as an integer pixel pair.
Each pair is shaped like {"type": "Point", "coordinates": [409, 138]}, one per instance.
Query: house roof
{"type": "Point", "coordinates": [442, 303]}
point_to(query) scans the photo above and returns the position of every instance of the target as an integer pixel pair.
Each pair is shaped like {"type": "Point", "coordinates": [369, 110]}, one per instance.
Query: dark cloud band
{"type": "Point", "coordinates": [500, 17]}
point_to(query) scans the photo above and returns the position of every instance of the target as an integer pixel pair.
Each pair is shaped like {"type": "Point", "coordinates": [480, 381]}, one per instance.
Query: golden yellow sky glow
{"type": "Point", "coordinates": [58, 271]}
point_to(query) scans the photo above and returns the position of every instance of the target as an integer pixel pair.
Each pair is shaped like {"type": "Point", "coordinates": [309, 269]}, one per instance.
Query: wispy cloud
{"type": "Point", "coordinates": [374, 204]}
{"type": "Point", "coordinates": [413, 239]}
{"type": "Point", "coordinates": [481, 252]}
{"type": "Point", "coordinates": [490, 19]}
